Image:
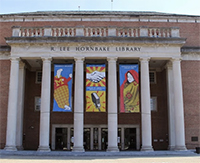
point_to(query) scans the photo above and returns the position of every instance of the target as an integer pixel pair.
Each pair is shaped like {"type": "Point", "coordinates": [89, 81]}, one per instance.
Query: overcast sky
{"type": "Point", "coordinates": [190, 7]}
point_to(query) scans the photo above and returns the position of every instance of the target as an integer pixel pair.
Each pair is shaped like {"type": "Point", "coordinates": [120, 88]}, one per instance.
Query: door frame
{"type": "Point", "coordinates": [69, 126]}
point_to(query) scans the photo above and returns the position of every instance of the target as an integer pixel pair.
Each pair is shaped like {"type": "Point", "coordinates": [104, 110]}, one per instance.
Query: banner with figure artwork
{"type": "Point", "coordinates": [62, 87]}
{"type": "Point", "coordinates": [95, 88]}
{"type": "Point", "coordinates": [129, 88]}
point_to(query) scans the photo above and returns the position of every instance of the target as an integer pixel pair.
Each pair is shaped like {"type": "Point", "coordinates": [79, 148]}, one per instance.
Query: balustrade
{"type": "Point", "coordinates": [31, 32]}
{"type": "Point", "coordinates": [101, 32]}
{"type": "Point", "coordinates": [95, 32]}
{"type": "Point", "coordinates": [128, 32]}
{"type": "Point", "coordinates": [59, 32]}
{"type": "Point", "coordinates": [159, 32]}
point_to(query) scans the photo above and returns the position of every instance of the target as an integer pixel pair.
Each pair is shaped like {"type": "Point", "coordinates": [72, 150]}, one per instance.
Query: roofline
{"type": "Point", "coordinates": [97, 13]}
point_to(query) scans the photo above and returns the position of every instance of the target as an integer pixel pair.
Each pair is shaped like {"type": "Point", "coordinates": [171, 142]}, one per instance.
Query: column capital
{"type": "Point", "coordinates": [14, 59]}
{"type": "Point", "coordinates": [79, 59]}
{"type": "Point", "coordinates": [176, 59]}
{"type": "Point", "coordinates": [144, 59]}
{"type": "Point", "coordinates": [46, 59]}
{"type": "Point", "coordinates": [168, 65]}
{"type": "Point", "coordinates": [21, 65]}
{"type": "Point", "coordinates": [112, 59]}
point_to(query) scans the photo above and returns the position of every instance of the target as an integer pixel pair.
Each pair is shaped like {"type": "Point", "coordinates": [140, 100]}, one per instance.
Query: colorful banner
{"type": "Point", "coordinates": [62, 87]}
{"type": "Point", "coordinates": [129, 88]}
{"type": "Point", "coordinates": [95, 88]}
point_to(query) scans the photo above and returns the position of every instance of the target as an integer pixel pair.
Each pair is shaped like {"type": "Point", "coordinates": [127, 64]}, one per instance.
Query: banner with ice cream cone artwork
{"type": "Point", "coordinates": [95, 88]}
{"type": "Point", "coordinates": [62, 87]}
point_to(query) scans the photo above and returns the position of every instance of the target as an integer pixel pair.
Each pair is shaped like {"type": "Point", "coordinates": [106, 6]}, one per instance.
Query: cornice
{"type": "Point", "coordinates": [137, 16]}
{"type": "Point", "coordinates": [111, 40]}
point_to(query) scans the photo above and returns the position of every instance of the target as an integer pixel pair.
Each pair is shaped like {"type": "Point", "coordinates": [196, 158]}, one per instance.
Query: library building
{"type": "Point", "coordinates": [99, 81]}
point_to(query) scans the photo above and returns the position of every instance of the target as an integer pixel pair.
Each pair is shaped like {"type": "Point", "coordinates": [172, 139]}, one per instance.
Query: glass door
{"type": "Point", "coordinates": [61, 139]}
{"type": "Point", "coordinates": [130, 139]}
{"type": "Point", "coordinates": [104, 138]}
{"type": "Point", "coordinates": [86, 142]}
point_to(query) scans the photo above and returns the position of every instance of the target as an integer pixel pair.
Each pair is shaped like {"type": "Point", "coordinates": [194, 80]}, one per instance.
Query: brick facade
{"type": "Point", "coordinates": [190, 80]}
{"type": "Point", "coordinates": [4, 85]}
{"type": "Point", "coordinates": [187, 30]}
{"type": "Point", "coordinates": [191, 94]}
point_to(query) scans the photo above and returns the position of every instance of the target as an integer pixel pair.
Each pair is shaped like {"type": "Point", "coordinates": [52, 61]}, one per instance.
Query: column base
{"type": "Point", "coordinates": [20, 148]}
{"type": "Point", "coordinates": [44, 149]}
{"type": "Point", "coordinates": [78, 149]}
{"type": "Point", "coordinates": [180, 148]}
{"type": "Point", "coordinates": [10, 148]}
{"type": "Point", "coordinates": [171, 148]}
{"type": "Point", "coordinates": [147, 148]}
{"type": "Point", "coordinates": [112, 149]}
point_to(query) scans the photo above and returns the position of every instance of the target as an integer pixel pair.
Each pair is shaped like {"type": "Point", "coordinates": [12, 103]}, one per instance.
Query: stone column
{"type": "Point", "coordinates": [78, 105]}
{"type": "Point", "coordinates": [12, 106]}
{"type": "Point", "coordinates": [91, 138]}
{"type": "Point", "coordinates": [170, 94]}
{"type": "Point", "coordinates": [122, 138]}
{"type": "Point", "coordinates": [20, 107]}
{"type": "Point", "coordinates": [138, 138]}
{"type": "Point", "coordinates": [99, 138]}
{"type": "Point", "coordinates": [145, 105]}
{"type": "Point", "coordinates": [112, 105]}
{"type": "Point", "coordinates": [68, 138]}
{"type": "Point", "coordinates": [45, 106]}
{"type": "Point", "coordinates": [179, 110]}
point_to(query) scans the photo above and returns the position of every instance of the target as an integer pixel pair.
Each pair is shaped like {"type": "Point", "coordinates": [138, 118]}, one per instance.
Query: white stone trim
{"type": "Point", "coordinates": [173, 20]}
{"type": "Point", "coordinates": [186, 20]}
{"type": "Point", "coordinates": [190, 57]}
{"type": "Point", "coordinates": [4, 57]}
{"type": "Point", "coordinates": [158, 20]}
{"type": "Point", "coordinates": [154, 51]}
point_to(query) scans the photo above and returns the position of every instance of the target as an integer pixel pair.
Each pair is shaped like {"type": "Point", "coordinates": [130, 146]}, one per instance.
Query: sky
{"type": "Point", "coordinates": [188, 7]}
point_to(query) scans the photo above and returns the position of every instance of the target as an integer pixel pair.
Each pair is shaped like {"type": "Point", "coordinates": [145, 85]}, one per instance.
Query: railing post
{"type": "Point", "coordinates": [79, 31]}
{"type": "Point", "coordinates": [143, 32]}
{"type": "Point", "coordinates": [16, 31]}
{"type": "Point", "coordinates": [175, 32]}
{"type": "Point", "coordinates": [111, 31]}
{"type": "Point", "coordinates": [47, 31]}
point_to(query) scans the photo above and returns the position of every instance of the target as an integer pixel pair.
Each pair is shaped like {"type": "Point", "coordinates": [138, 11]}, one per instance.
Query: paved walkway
{"type": "Point", "coordinates": [100, 153]}
{"type": "Point", "coordinates": [99, 157]}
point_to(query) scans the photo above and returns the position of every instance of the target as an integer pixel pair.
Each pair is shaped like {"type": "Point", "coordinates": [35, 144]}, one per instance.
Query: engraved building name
{"type": "Point", "coordinates": [97, 49]}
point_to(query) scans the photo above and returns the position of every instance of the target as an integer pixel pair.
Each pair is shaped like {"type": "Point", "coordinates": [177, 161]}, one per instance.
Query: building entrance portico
{"type": "Point", "coordinates": [78, 130]}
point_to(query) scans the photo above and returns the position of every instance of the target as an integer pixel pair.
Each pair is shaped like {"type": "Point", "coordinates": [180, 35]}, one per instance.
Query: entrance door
{"type": "Point", "coordinates": [92, 138]}
{"type": "Point", "coordinates": [86, 142]}
{"type": "Point", "coordinates": [104, 138]}
{"type": "Point", "coordinates": [61, 139]}
{"type": "Point", "coordinates": [130, 139]}
{"type": "Point", "coordinates": [95, 139]}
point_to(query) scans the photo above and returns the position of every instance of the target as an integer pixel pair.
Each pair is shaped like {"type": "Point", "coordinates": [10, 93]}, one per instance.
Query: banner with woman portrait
{"type": "Point", "coordinates": [95, 88]}
{"type": "Point", "coordinates": [62, 87]}
{"type": "Point", "coordinates": [129, 88]}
